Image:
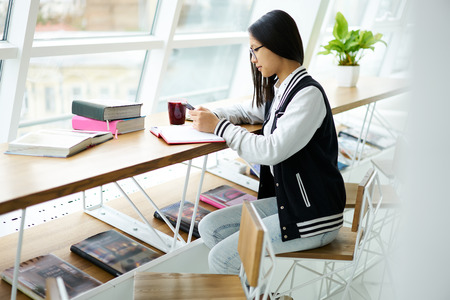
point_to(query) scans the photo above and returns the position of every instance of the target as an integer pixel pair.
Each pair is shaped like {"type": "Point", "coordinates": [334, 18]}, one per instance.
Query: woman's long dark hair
{"type": "Point", "coordinates": [278, 32]}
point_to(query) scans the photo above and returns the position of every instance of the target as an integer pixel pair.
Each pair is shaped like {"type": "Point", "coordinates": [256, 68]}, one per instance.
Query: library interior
{"type": "Point", "coordinates": [105, 176]}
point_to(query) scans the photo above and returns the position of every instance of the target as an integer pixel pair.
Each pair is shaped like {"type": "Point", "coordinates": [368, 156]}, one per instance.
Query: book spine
{"type": "Point", "coordinates": [211, 202]}
{"type": "Point", "coordinates": [95, 261]}
{"type": "Point", "coordinates": [88, 109]}
{"type": "Point", "coordinates": [83, 123]}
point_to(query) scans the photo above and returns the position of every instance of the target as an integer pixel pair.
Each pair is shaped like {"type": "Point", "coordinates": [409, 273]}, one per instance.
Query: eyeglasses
{"type": "Point", "coordinates": [252, 51]}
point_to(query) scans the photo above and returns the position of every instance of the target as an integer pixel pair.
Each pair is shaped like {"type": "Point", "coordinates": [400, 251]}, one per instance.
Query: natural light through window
{"type": "Point", "coordinates": [75, 19]}
{"type": "Point", "coordinates": [53, 82]}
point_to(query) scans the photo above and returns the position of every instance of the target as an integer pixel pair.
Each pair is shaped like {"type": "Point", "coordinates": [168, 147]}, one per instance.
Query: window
{"type": "Point", "coordinates": [200, 74]}
{"type": "Point", "coordinates": [76, 92]}
{"type": "Point", "coordinates": [204, 16]}
{"type": "Point", "coordinates": [5, 11]}
{"type": "Point", "coordinates": [389, 17]}
{"type": "Point", "coordinates": [76, 19]}
{"type": "Point", "coordinates": [4, 15]}
{"type": "Point", "coordinates": [205, 74]}
{"type": "Point", "coordinates": [80, 76]}
{"type": "Point", "coordinates": [50, 105]}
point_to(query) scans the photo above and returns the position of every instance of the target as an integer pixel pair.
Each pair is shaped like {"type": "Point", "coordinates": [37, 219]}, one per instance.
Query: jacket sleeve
{"type": "Point", "coordinates": [295, 128]}
{"type": "Point", "coordinates": [245, 113]}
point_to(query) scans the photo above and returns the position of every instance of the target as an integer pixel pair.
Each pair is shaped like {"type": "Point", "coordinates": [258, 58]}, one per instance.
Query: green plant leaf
{"type": "Point", "coordinates": [366, 39]}
{"type": "Point", "coordinates": [378, 37]}
{"type": "Point", "coordinates": [340, 28]}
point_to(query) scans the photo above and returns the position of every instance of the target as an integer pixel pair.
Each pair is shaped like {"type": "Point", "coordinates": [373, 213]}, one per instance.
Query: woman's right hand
{"type": "Point", "coordinates": [203, 119]}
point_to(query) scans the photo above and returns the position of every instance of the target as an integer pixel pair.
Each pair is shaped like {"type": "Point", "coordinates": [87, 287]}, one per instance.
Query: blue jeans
{"type": "Point", "coordinates": [220, 232]}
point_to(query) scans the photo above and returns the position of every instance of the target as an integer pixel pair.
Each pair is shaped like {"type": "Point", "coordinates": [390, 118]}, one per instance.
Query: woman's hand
{"type": "Point", "coordinates": [203, 119]}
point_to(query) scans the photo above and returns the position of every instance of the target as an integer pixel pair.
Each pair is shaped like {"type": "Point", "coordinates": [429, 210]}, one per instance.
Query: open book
{"type": "Point", "coordinates": [57, 142]}
{"type": "Point", "coordinates": [184, 134]}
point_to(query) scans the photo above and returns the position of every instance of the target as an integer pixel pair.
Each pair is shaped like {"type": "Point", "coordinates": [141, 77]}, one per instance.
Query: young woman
{"type": "Point", "coordinates": [301, 195]}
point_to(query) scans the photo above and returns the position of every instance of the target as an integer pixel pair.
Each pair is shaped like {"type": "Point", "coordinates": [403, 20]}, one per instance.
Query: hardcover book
{"type": "Point", "coordinates": [57, 142]}
{"type": "Point", "coordinates": [171, 213]}
{"type": "Point", "coordinates": [34, 272]}
{"type": "Point", "coordinates": [114, 252]}
{"type": "Point", "coordinates": [374, 139]}
{"type": "Point", "coordinates": [224, 196]}
{"type": "Point", "coordinates": [115, 126]}
{"type": "Point", "coordinates": [106, 109]}
{"type": "Point", "coordinates": [347, 148]}
{"type": "Point", "coordinates": [378, 136]}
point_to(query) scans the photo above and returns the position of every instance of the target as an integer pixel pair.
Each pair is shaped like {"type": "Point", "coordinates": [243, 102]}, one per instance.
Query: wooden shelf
{"type": "Point", "coordinates": [58, 235]}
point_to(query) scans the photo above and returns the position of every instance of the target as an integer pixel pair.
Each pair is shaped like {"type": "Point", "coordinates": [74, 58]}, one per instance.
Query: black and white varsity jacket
{"type": "Point", "coordinates": [308, 186]}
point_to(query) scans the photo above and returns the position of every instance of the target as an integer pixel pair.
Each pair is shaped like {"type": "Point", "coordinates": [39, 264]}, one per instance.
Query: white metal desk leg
{"type": "Point", "coordinates": [176, 232]}
{"type": "Point", "coordinates": [183, 199]}
{"type": "Point", "coordinates": [18, 256]}
{"type": "Point", "coordinates": [143, 218]}
{"type": "Point", "coordinates": [194, 213]}
{"type": "Point", "coordinates": [363, 132]}
{"type": "Point", "coordinates": [365, 127]}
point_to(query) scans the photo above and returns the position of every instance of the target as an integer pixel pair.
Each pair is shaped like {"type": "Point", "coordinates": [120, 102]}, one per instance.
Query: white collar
{"type": "Point", "coordinates": [279, 90]}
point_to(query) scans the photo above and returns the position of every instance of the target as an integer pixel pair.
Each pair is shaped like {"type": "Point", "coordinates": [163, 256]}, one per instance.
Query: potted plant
{"type": "Point", "coordinates": [348, 47]}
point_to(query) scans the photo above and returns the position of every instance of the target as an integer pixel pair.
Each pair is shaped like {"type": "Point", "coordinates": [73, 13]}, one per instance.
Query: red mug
{"type": "Point", "coordinates": [177, 111]}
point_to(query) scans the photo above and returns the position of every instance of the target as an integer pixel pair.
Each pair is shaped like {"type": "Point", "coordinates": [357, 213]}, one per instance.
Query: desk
{"type": "Point", "coordinates": [368, 90]}
{"type": "Point", "coordinates": [26, 181]}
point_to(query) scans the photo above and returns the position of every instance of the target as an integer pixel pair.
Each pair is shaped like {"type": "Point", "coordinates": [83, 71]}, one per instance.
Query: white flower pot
{"type": "Point", "coordinates": [347, 76]}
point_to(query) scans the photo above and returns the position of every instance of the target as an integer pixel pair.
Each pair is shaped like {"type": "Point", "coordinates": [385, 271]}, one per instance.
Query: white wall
{"type": "Point", "coordinates": [424, 258]}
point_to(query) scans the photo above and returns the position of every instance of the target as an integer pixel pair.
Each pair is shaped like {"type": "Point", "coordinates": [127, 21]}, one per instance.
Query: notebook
{"type": "Point", "coordinates": [184, 134]}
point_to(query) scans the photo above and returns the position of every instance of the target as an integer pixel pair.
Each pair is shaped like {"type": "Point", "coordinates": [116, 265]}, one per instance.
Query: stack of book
{"type": "Point", "coordinates": [116, 116]}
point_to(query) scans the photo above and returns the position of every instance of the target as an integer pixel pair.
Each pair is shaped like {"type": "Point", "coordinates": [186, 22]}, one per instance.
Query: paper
{"type": "Point", "coordinates": [184, 134]}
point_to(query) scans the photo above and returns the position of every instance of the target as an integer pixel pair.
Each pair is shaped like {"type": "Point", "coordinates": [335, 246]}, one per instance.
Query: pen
{"type": "Point", "coordinates": [189, 106]}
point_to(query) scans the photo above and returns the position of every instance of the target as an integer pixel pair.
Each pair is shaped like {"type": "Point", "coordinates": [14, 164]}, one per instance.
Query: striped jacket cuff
{"type": "Point", "coordinates": [221, 126]}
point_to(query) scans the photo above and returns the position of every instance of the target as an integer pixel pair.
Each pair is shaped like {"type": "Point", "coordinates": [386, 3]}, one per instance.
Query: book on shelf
{"type": "Point", "coordinates": [224, 196]}
{"type": "Point", "coordinates": [34, 272]}
{"type": "Point", "coordinates": [348, 145]}
{"type": "Point", "coordinates": [114, 252]}
{"type": "Point", "coordinates": [57, 142]}
{"type": "Point", "coordinates": [171, 213]}
{"type": "Point", "coordinates": [114, 126]}
{"type": "Point", "coordinates": [377, 136]}
{"type": "Point", "coordinates": [106, 109]}
{"type": "Point", "coordinates": [184, 134]}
